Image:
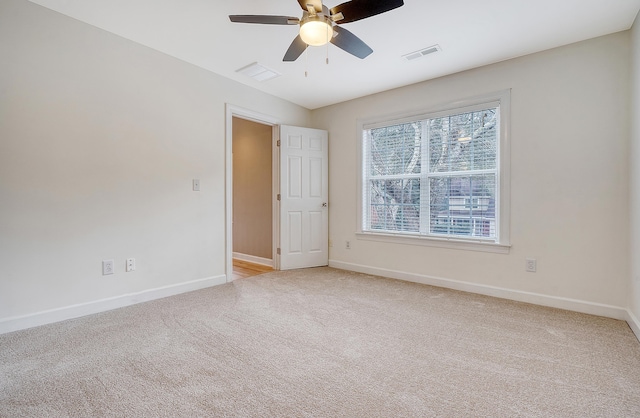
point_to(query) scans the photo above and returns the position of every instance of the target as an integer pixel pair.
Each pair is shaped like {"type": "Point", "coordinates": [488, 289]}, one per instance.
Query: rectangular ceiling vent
{"type": "Point", "coordinates": [421, 53]}
{"type": "Point", "coordinates": [258, 72]}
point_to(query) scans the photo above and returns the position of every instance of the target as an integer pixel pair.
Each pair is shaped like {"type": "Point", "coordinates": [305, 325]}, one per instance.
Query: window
{"type": "Point", "coordinates": [439, 176]}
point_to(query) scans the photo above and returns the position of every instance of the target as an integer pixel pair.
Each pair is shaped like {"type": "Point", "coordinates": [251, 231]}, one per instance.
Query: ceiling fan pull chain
{"type": "Point", "coordinates": [327, 60]}
{"type": "Point", "coordinates": [306, 60]}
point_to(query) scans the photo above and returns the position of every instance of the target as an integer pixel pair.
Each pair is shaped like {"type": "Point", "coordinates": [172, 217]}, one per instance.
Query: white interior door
{"type": "Point", "coordinates": [304, 190]}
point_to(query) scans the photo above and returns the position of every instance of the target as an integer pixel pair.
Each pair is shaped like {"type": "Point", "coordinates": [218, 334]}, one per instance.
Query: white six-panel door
{"type": "Point", "coordinates": [304, 215]}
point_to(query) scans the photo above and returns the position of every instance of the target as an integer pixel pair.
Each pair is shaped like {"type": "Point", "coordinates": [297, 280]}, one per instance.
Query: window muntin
{"type": "Point", "coordinates": [434, 176]}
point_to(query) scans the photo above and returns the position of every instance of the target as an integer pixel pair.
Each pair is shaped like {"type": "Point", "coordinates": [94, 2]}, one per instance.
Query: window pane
{"type": "Point", "coordinates": [395, 149]}
{"type": "Point", "coordinates": [463, 142]}
{"type": "Point", "coordinates": [463, 206]}
{"type": "Point", "coordinates": [395, 205]}
{"type": "Point", "coordinates": [453, 158]}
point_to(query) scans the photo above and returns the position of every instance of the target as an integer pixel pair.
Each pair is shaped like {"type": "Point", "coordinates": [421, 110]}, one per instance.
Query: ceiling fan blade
{"type": "Point", "coordinates": [266, 20]}
{"type": "Point", "coordinates": [296, 49]}
{"type": "Point", "coordinates": [360, 9]}
{"type": "Point", "coordinates": [317, 4]}
{"type": "Point", "coordinates": [350, 43]}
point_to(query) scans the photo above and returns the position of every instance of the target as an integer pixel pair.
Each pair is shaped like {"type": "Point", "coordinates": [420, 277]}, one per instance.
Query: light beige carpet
{"type": "Point", "coordinates": [324, 343]}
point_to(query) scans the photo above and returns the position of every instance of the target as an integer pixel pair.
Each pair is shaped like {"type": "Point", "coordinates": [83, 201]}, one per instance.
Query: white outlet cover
{"type": "Point", "coordinates": [107, 267]}
{"type": "Point", "coordinates": [131, 264]}
{"type": "Point", "coordinates": [531, 265]}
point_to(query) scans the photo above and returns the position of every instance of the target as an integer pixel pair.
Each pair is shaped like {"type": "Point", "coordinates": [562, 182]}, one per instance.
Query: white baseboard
{"type": "Point", "coordinates": [634, 324]}
{"type": "Point", "coordinates": [517, 295]}
{"type": "Point", "coordinates": [253, 259]}
{"type": "Point", "coordinates": [102, 305]}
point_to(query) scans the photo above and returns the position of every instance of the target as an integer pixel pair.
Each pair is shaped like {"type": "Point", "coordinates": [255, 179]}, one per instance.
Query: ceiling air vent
{"type": "Point", "coordinates": [258, 72]}
{"type": "Point", "coordinates": [421, 53]}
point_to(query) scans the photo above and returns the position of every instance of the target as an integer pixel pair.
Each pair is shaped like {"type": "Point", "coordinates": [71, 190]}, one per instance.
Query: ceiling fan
{"type": "Point", "coordinates": [319, 25]}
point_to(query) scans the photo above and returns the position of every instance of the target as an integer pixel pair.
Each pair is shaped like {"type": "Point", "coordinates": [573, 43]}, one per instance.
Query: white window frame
{"type": "Point", "coordinates": [503, 163]}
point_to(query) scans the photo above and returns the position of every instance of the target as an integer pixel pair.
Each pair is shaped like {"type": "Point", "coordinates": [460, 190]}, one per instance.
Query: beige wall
{"type": "Point", "coordinates": [100, 139]}
{"type": "Point", "coordinates": [569, 176]}
{"type": "Point", "coordinates": [634, 301]}
{"type": "Point", "coordinates": [252, 189]}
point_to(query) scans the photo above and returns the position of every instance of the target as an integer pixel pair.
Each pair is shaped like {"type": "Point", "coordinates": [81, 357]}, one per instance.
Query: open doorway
{"type": "Point", "coordinates": [252, 221]}
{"type": "Point", "coordinates": [271, 125]}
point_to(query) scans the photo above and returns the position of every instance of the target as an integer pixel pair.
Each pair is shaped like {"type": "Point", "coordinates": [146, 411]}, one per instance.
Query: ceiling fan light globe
{"type": "Point", "coordinates": [316, 32]}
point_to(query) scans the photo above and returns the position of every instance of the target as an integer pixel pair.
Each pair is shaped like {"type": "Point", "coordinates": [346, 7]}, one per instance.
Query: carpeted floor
{"type": "Point", "coordinates": [324, 343]}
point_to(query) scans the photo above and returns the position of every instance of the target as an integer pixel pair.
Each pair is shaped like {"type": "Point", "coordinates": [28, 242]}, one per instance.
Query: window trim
{"type": "Point", "coordinates": [503, 210]}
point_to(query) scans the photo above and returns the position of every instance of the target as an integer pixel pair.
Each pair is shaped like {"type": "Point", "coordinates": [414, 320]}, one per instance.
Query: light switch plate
{"type": "Point", "coordinates": [196, 185]}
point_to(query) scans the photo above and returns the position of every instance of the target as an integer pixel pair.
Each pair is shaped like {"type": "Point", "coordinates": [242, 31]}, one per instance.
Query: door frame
{"type": "Point", "coordinates": [232, 111]}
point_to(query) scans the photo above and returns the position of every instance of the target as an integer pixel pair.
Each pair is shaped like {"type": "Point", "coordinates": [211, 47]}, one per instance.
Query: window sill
{"type": "Point", "coordinates": [456, 244]}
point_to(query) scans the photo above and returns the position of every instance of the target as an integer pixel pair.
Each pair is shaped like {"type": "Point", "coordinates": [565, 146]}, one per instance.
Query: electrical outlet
{"type": "Point", "coordinates": [107, 267]}
{"type": "Point", "coordinates": [531, 265]}
{"type": "Point", "coordinates": [131, 264]}
{"type": "Point", "coordinates": [348, 245]}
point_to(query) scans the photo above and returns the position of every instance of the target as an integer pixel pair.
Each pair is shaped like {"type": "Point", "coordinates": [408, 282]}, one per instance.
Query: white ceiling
{"type": "Point", "coordinates": [471, 33]}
